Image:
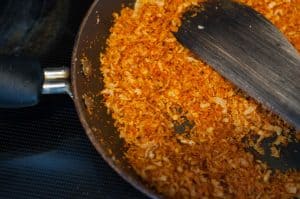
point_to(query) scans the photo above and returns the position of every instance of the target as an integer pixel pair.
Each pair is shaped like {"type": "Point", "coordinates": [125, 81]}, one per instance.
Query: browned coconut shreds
{"type": "Point", "coordinates": [153, 84]}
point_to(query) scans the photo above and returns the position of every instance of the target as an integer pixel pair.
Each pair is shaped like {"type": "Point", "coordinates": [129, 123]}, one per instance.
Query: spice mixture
{"type": "Point", "coordinates": [185, 124]}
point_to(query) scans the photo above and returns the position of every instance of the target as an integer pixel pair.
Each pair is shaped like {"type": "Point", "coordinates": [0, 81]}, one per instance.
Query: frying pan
{"type": "Point", "coordinates": [22, 81]}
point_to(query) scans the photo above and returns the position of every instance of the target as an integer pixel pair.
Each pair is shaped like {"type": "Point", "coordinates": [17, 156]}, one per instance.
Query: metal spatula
{"type": "Point", "coordinates": [248, 50]}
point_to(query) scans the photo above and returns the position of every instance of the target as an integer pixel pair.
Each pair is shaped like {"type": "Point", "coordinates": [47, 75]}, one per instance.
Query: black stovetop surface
{"type": "Point", "coordinates": [44, 151]}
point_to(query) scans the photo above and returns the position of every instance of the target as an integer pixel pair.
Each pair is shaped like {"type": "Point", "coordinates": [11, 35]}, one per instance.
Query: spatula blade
{"type": "Point", "coordinates": [248, 50]}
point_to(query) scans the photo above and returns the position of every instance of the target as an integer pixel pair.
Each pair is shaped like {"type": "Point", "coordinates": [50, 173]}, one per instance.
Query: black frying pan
{"type": "Point", "coordinates": [22, 81]}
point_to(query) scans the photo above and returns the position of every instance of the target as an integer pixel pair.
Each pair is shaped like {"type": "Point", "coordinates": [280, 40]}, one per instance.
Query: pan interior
{"type": "Point", "coordinates": [87, 84]}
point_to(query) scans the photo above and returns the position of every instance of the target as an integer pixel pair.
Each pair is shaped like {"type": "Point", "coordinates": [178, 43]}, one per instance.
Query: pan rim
{"type": "Point", "coordinates": [141, 186]}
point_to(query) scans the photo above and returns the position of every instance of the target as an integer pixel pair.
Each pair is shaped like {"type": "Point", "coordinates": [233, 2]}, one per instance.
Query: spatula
{"type": "Point", "coordinates": [248, 50]}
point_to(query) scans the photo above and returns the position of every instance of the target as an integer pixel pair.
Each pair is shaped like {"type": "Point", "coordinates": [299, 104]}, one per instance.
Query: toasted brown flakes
{"type": "Point", "coordinates": [151, 81]}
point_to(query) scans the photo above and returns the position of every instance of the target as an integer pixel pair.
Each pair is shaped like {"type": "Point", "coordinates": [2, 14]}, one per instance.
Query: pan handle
{"type": "Point", "coordinates": [22, 81]}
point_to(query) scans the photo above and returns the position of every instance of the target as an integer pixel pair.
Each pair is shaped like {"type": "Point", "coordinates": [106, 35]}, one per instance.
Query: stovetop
{"type": "Point", "coordinates": [44, 151]}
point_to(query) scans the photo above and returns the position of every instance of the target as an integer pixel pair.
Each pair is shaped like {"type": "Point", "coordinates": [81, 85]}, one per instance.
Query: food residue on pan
{"type": "Point", "coordinates": [86, 66]}
{"type": "Point", "coordinates": [183, 123]}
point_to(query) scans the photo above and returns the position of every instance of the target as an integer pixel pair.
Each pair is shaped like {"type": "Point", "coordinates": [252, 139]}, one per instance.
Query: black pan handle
{"type": "Point", "coordinates": [22, 81]}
